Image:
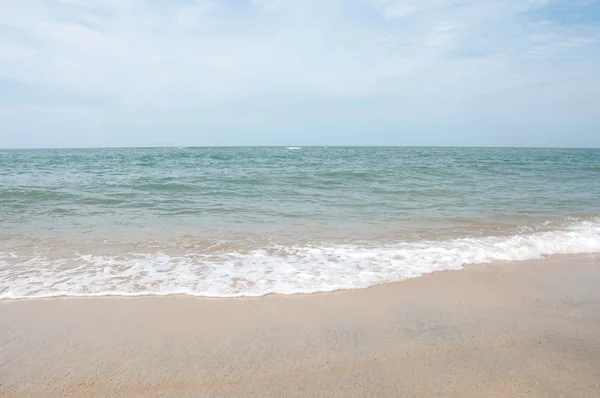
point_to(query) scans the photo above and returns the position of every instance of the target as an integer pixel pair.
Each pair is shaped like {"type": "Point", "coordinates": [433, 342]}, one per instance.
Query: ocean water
{"type": "Point", "coordinates": [230, 222]}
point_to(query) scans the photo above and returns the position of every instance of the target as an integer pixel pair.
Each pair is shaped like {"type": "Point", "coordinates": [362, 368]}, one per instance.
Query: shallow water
{"type": "Point", "coordinates": [254, 221]}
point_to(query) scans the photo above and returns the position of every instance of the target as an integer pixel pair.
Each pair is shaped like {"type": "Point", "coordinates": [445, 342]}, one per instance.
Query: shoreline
{"type": "Point", "coordinates": [553, 257]}
{"type": "Point", "coordinates": [497, 329]}
{"type": "Point", "coordinates": [35, 268]}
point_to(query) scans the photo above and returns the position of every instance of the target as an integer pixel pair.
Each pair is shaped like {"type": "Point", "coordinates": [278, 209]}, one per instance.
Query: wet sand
{"type": "Point", "coordinates": [503, 329]}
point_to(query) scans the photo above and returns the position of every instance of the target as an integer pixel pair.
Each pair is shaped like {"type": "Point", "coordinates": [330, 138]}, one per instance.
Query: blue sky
{"type": "Point", "coordinates": [77, 73]}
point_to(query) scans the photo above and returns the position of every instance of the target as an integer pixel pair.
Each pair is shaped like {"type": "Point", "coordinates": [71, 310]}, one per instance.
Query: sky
{"type": "Point", "coordinates": [102, 73]}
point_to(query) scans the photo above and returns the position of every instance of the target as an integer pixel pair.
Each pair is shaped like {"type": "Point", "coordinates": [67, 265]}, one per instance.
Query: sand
{"type": "Point", "coordinates": [503, 329]}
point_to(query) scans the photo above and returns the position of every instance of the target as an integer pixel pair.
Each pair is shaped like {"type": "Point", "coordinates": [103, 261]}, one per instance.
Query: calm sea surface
{"type": "Point", "coordinates": [255, 221]}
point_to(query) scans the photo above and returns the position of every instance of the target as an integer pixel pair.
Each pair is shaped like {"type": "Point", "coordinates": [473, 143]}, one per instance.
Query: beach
{"type": "Point", "coordinates": [528, 328]}
{"type": "Point", "coordinates": [268, 198]}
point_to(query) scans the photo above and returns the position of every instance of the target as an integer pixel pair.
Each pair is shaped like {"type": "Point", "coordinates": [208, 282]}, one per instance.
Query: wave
{"type": "Point", "coordinates": [34, 194]}
{"type": "Point", "coordinates": [163, 186]}
{"type": "Point", "coordinates": [293, 147]}
{"type": "Point", "coordinates": [276, 269]}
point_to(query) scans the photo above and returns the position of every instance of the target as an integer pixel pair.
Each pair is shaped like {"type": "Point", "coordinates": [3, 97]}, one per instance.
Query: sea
{"type": "Point", "coordinates": [254, 221]}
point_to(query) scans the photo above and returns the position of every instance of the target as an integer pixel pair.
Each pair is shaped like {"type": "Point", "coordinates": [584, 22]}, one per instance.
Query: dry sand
{"type": "Point", "coordinates": [503, 329]}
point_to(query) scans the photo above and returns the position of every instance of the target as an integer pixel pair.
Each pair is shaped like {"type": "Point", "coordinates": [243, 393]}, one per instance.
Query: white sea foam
{"type": "Point", "coordinates": [293, 147]}
{"type": "Point", "coordinates": [275, 269]}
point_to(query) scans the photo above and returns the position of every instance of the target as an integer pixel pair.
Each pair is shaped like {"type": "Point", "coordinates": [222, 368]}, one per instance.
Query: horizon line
{"type": "Point", "coordinates": [297, 146]}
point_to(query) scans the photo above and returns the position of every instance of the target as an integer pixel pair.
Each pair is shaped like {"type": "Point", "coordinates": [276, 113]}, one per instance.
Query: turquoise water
{"type": "Point", "coordinates": [254, 221]}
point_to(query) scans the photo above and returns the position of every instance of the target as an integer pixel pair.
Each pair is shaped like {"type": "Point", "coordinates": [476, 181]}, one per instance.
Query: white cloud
{"type": "Point", "coordinates": [412, 57]}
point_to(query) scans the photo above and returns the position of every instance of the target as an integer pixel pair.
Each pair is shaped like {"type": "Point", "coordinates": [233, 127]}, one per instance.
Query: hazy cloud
{"type": "Point", "coordinates": [208, 72]}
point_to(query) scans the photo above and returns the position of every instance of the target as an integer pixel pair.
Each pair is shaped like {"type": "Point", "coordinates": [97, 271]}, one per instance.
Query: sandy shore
{"type": "Point", "coordinates": [503, 329]}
